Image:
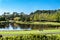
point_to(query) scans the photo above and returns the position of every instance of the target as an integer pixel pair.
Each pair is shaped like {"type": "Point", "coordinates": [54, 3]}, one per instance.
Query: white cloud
{"type": "Point", "coordinates": [1, 12]}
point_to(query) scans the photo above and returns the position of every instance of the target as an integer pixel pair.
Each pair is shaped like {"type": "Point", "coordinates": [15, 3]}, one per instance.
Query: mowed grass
{"type": "Point", "coordinates": [30, 32]}
{"type": "Point", "coordinates": [17, 32]}
{"type": "Point", "coordinates": [44, 23]}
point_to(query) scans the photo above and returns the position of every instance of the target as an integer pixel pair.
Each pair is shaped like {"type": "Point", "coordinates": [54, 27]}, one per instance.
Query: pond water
{"type": "Point", "coordinates": [14, 26]}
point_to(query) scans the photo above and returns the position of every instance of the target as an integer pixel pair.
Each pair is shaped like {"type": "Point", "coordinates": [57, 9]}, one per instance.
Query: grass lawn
{"type": "Point", "coordinates": [18, 32]}
{"type": "Point", "coordinates": [29, 32]}
{"type": "Point", "coordinates": [44, 23]}
{"type": "Point", "coordinates": [35, 32]}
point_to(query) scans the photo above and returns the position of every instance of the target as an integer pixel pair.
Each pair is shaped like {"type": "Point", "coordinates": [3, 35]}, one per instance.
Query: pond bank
{"type": "Point", "coordinates": [38, 23]}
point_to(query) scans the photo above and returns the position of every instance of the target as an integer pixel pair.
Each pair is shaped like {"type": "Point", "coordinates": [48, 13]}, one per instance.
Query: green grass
{"type": "Point", "coordinates": [44, 23]}
{"type": "Point", "coordinates": [33, 37]}
{"type": "Point", "coordinates": [29, 32]}
{"type": "Point", "coordinates": [37, 23]}
{"type": "Point", "coordinates": [18, 32]}
{"type": "Point", "coordinates": [6, 33]}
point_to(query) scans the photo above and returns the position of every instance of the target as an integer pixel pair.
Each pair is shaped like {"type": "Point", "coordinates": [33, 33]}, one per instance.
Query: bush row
{"type": "Point", "coordinates": [32, 37]}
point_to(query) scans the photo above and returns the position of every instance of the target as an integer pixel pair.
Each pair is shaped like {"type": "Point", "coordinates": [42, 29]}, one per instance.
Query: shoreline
{"type": "Point", "coordinates": [38, 23]}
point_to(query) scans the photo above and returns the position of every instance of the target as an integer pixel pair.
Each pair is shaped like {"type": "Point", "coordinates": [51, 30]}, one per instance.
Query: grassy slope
{"type": "Point", "coordinates": [34, 31]}
{"type": "Point", "coordinates": [30, 32]}
{"type": "Point", "coordinates": [44, 23]}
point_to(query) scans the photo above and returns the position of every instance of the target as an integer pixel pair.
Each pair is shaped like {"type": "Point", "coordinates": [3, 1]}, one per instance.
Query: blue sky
{"type": "Point", "coordinates": [28, 6]}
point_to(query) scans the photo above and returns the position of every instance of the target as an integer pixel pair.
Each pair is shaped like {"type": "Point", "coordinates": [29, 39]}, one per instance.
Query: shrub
{"type": "Point", "coordinates": [32, 37]}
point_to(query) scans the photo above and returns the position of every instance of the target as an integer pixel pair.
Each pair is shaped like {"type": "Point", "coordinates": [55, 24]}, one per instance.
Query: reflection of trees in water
{"type": "Point", "coordinates": [42, 27]}
{"type": "Point", "coordinates": [37, 27]}
{"type": "Point", "coordinates": [24, 26]}
{"type": "Point", "coordinates": [14, 25]}
{"type": "Point", "coordinates": [34, 27]}
{"type": "Point", "coordinates": [4, 25]}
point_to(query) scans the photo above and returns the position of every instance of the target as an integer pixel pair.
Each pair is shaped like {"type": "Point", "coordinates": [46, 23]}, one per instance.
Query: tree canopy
{"type": "Point", "coordinates": [38, 15]}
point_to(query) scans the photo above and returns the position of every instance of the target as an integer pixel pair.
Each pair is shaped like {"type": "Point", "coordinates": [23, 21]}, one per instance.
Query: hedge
{"type": "Point", "coordinates": [32, 37]}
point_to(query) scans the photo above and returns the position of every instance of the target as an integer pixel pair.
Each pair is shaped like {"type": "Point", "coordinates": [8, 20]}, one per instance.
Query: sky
{"type": "Point", "coordinates": [28, 6]}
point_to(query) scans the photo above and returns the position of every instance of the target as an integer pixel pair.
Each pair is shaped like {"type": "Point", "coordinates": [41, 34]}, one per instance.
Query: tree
{"type": "Point", "coordinates": [17, 19]}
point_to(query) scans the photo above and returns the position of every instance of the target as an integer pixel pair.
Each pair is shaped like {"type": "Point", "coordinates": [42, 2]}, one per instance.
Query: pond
{"type": "Point", "coordinates": [14, 26]}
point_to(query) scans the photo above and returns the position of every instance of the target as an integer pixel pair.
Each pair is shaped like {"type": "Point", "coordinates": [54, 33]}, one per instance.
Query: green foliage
{"type": "Point", "coordinates": [46, 15]}
{"type": "Point", "coordinates": [17, 19]}
{"type": "Point", "coordinates": [32, 37]}
{"type": "Point", "coordinates": [38, 15]}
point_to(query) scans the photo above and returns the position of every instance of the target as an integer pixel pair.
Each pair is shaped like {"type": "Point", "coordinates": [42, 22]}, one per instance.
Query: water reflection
{"type": "Point", "coordinates": [14, 26]}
